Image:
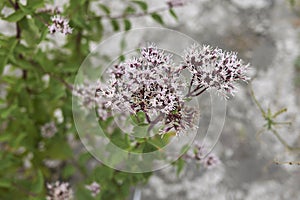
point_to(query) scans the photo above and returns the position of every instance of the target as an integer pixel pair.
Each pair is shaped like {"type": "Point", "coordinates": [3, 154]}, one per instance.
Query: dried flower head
{"type": "Point", "coordinates": [94, 188]}
{"type": "Point", "coordinates": [48, 130]}
{"type": "Point", "coordinates": [213, 68]}
{"type": "Point", "coordinates": [59, 191]}
{"type": "Point", "coordinates": [59, 24]}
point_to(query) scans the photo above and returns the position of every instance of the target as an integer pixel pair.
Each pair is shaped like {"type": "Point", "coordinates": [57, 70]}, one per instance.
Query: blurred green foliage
{"type": "Point", "coordinates": [30, 101]}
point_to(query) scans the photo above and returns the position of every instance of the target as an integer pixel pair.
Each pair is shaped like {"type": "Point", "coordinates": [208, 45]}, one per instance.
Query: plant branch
{"type": "Point", "coordinates": [11, 2]}
{"type": "Point", "coordinates": [284, 143]}
{"type": "Point", "coordinates": [140, 14]}
{"type": "Point", "coordinates": [256, 101]}
{"type": "Point", "coordinates": [155, 121]}
{"type": "Point", "coordinates": [197, 94]}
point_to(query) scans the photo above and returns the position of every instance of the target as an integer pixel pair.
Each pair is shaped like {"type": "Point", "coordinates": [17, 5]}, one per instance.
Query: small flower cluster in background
{"type": "Point", "coordinates": [63, 191]}
{"type": "Point", "coordinates": [50, 9]}
{"type": "Point", "coordinates": [200, 154]}
{"type": "Point", "coordinates": [48, 130]}
{"type": "Point", "coordinates": [94, 188]}
{"type": "Point", "coordinates": [89, 97]}
{"type": "Point", "coordinates": [59, 24]}
{"type": "Point", "coordinates": [59, 191]}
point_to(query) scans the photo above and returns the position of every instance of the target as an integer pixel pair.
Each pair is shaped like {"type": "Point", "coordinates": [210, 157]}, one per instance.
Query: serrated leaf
{"type": "Point", "coordinates": [16, 16]}
{"type": "Point", "coordinates": [143, 5]}
{"type": "Point", "coordinates": [127, 25]}
{"type": "Point", "coordinates": [157, 18]}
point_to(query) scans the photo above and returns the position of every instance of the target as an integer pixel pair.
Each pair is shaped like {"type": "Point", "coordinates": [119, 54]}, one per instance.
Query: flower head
{"type": "Point", "coordinates": [149, 83]}
{"type": "Point", "coordinates": [94, 188]}
{"type": "Point", "coordinates": [199, 153]}
{"type": "Point", "coordinates": [211, 161]}
{"type": "Point", "coordinates": [89, 98]}
{"type": "Point", "coordinates": [213, 68]}
{"type": "Point", "coordinates": [48, 130]}
{"type": "Point", "coordinates": [59, 191]}
{"type": "Point", "coordinates": [59, 24]}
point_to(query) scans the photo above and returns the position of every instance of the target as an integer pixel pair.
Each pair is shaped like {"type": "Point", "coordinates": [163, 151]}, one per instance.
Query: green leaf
{"type": "Point", "coordinates": [5, 137]}
{"type": "Point", "coordinates": [34, 4]}
{"type": "Point", "coordinates": [68, 171]}
{"type": "Point", "coordinates": [103, 173]}
{"type": "Point", "coordinates": [173, 14]}
{"type": "Point", "coordinates": [127, 25]}
{"type": "Point", "coordinates": [115, 25]}
{"type": "Point", "coordinates": [180, 165]}
{"type": "Point", "coordinates": [17, 141]}
{"type": "Point", "coordinates": [157, 18]}
{"type": "Point", "coordinates": [143, 5]}
{"type": "Point", "coordinates": [16, 16]}
{"type": "Point", "coordinates": [38, 184]}
{"type": "Point", "coordinates": [141, 131]}
{"type": "Point", "coordinates": [129, 10]}
{"type": "Point", "coordinates": [5, 183]}
{"type": "Point", "coordinates": [104, 8]}
{"type": "Point", "coordinates": [7, 111]}
{"type": "Point", "coordinates": [25, 9]}
{"type": "Point", "coordinates": [292, 2]}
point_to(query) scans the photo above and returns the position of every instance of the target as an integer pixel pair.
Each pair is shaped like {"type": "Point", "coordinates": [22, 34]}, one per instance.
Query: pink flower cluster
{"type": "Point", "coordinates": [59, 24]}
{"type": "Point", "coordinates": [151, 83]}
{"type": "Point", "coordinates": [213, 68]}
{"type": "Point", "coordinates": [94, 188]}
{"type": "Point", "coordinates": [199, 153]}
{"type": "Point", "coordinates": [59, 191]}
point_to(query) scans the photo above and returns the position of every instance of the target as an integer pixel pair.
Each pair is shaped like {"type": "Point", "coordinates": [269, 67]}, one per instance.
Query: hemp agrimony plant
{"type": "Point", "coordinates": [151, 84]}
{"type": "Point", "coordinates": [150, 88]}
{"type": "Point", "coordinates": [41, 155]}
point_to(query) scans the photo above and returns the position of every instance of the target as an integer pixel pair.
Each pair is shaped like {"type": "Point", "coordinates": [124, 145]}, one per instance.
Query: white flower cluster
{"type": "Point", "coordinates": [199, 153]}
{"type": "Point", "coordinates": [59, 24]}
{"type": "Point", "coordinates": [94, 188]}
{"type": "Point", "coordinates": [149, 83]}
{"type": "Point", "coordinates": [59, 191]}
{"type": "Point", "coordinates": [48, 130]}
{"type": "Point", "coordinates": [213, 68]}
